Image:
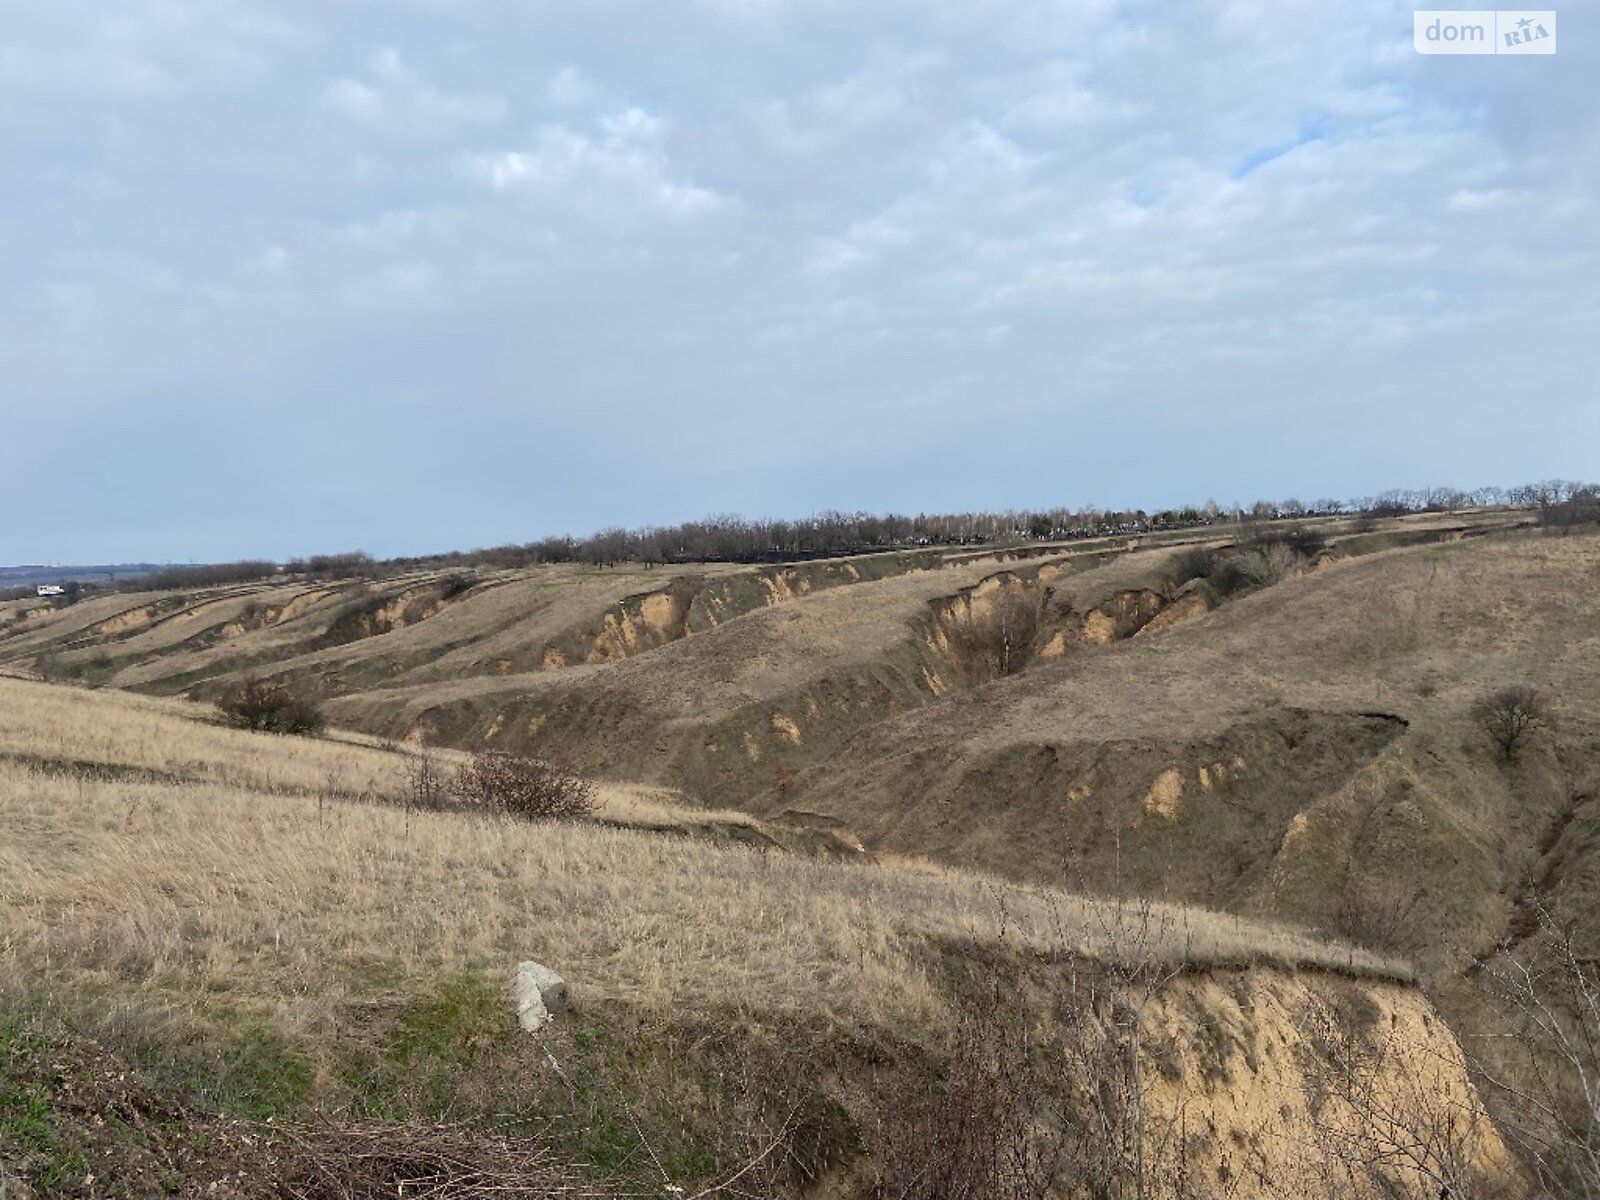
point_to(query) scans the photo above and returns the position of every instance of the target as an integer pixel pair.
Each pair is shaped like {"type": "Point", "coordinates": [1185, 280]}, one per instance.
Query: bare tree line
{"type": "Point", "coordinates": [732, 538]}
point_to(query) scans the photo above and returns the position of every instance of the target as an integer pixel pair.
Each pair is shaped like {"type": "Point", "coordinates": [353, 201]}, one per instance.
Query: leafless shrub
{"type": "Point", "coordinates": [999, 640]}
{"type": "Point", "coordinates": [456, 583]}
{"type": "Point", "coordinates": [1198, 562]}
{"type": "Point", "coordinates": [1378, 915]}
{"type": "Point", "coordinates": [427, 787]}
{"type": "Point", "coordinates": [978, 1136]}
{"type": "Point", "coordinates": [1549, 1084]}
{"type": "Point", "coordinates": [1228, 577]}
{"type": "Point", "coordinates": [1509, 715]}
{"type": "Point", "coordinates": [1551, 1044]}
{"type": "Point", "coordinates": [1271, 563]}
{"type": "Point", "coordinates": [513, 786]}
{"type": "Point", "coordinates": [268, 706]}
{"type": "Point", "coordinates": [351, 564]}
{"type": "Point", "coordinates": [210, 575]}
{"type": "Point", "coordinates": [1021, 1116]}
{"type": "Point", "coordinates": [1305, 541]}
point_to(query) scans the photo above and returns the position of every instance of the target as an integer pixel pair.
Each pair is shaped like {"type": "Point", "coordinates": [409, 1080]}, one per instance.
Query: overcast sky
{"type": "Point", "coordinates": [282, 276]}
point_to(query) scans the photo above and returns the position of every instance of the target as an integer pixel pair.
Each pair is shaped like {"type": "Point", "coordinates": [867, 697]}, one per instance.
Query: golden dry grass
{"type": "Point", "coordinates": [230, 875]}
{"type": "Point", "coordinates": [759, 655]}
{"type": "Point", "coordinates": [155, 636]}
{"type": "Point", "coordinates": [1419, 631]}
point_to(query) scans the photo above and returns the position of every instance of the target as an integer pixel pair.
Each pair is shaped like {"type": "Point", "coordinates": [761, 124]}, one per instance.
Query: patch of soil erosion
{"type": "Point", "coordinates": [368, 617]}
{"type": "Point", "coordinates": [1002, 625]}
{"type": "Point", "coordinates": [1196, 821]}
{"type": "Point", "coordinates": [1235, 1069]}
{"type": "Point", "coordinates": [693, 604]}
{"type": "Point", "coordinates": [1011, 621]}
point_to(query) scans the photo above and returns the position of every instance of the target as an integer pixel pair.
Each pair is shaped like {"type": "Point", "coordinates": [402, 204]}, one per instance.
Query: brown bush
{"type": "Point", "coordinates": [1197, 562]}
{"type": "Point", "coordinates": [1509, 715]}
{"type": "Point", "coordinates": [513, 786]}
{"type": "Point", "coordinates": [269, 707]}
{"type": "Point", "coordinates": [1271, 563]}
{"type": "Point", "coordinates": [989, 1130]}
{"type": "Point", "coordinates": [456, 583]}
{"type": "Point", "coordinates": [1001, 640]}
{"type": "Point", "coordinates": [1380, 915]}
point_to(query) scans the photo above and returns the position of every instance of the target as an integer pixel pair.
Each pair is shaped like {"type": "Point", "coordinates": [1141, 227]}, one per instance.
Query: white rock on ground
{"type": "Point", "coordinates": [538, 993]}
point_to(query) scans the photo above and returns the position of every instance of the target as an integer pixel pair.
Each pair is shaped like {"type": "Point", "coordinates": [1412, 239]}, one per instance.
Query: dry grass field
{"type": "Point", "coordinates": [824, 836]}
{"type": "Point", "coordinates": [255, 923]}
{"type": "Point", "coordinates": [1287, 754]}
{"type": "Point", "coordinates": [145, 846]}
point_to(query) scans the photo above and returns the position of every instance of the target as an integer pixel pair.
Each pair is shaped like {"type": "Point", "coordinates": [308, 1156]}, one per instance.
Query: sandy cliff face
{"type": "Point", "coordinates": [1209, 1083]}
{"type": "Point", "coordinates": [1268, 1084]}
{"type": "Point", "coordinates": [638, 624]}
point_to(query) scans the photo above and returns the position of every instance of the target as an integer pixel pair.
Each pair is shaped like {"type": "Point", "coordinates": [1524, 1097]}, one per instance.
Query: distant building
{"type": "Point", "coordinates": [51, 589]}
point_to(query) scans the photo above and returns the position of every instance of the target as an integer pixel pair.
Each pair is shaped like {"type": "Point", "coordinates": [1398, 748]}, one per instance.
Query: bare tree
{"type": "Point", "coordinates": [999, 639]}
{"type": "Point", "coordinates": [1509, 715]}
{"type": "Point", "coordinates": [426, 785]}
{"type": "Point", "coordinates": [1547, 1070]}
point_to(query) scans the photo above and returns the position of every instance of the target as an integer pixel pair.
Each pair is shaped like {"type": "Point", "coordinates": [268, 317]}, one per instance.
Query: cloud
{"type": "Point", "coordinates": [353, 99]}
{"type": "Point", "coordinates": [620, 160]}
{"type": "Point", "coordinates": [397, 102]}
{"type": "Point", "coordinates": [772, 256]}
{"type": "Point", "coordinates": [570, 86]}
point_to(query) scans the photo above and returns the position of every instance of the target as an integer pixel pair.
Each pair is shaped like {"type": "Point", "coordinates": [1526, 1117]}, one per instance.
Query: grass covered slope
{"type": "Point", "coordinates": [703, 680]}
{"type": "Point", "coordinates": [1299, 751]}
{"type": "Point", "coordinates": [249, 924]}
{"type": "Point", "coordinates": [1290, 750]}
{"type": "Point", "coordinates": [144, 843]}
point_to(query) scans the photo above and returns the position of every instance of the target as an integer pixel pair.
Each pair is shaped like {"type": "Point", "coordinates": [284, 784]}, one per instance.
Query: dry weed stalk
{"type": "Point", "coordinates": [1550, 1108]}
{"type": "Point", "coordinates": [1385, 1113]}
{"type": "Point", "coordinates": [1028, 1112]}
{"type": "Point", "coordinates": [421, 1162]}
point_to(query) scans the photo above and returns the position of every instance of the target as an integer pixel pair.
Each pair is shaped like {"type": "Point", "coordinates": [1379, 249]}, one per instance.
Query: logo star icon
{"type": "Point", "coordinates": [1524, 23]}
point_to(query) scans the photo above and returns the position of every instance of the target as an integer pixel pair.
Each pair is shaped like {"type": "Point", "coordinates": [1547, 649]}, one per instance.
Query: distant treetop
{"type": "Point", "coordinates": [731, 538]}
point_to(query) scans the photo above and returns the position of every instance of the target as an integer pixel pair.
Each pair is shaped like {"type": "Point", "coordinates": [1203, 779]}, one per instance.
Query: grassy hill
{"type": "Point", "coordinates": [1282, 750]}
{"type": "Point", "coordinates": [1287, 753]}
{"type": "Point", "coordinates": [257, 930]}
{"type": "Point", "coordinates": [1279, 731]}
